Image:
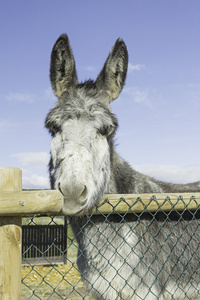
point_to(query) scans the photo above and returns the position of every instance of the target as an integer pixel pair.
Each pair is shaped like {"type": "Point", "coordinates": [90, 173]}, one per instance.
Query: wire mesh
{"type": "Point", "coordinates": [147, 255]}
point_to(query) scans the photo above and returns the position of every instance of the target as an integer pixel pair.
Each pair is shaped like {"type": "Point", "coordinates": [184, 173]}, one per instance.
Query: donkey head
{"type": "Point", "coordinates": [82, 126]}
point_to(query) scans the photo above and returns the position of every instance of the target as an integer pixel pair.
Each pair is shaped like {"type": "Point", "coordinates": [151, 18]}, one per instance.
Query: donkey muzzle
{"type": "Point", "coordinates": [75, 197]}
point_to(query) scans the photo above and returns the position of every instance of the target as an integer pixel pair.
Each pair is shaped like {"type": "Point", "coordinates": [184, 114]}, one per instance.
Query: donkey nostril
{"type": "Point", "coordinates": [77, 193]}
{"type": "Point", "coordinates": [83, 193]}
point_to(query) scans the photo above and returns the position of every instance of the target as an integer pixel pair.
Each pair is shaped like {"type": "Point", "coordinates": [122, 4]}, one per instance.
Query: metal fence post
{"type": "Point", "coordinates": [10, 240]}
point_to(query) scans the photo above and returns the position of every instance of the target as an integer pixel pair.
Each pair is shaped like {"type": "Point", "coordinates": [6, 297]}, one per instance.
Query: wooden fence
{"type": "Point", "coordinates": [15, 203]}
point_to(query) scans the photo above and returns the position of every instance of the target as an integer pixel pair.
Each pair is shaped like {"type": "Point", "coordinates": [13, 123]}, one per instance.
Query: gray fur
{"type": "Point", "coordinates": [120, 257]}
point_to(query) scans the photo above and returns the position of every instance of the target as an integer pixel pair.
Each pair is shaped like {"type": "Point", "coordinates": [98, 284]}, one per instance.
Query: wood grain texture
{"type": "Point", "coordinates": [128, 203]}
{"type": "Point", "coordinates": [50, 202]}
{"type": "Point", "coordinates": [10, 179]}
{"type": "Point", "coordinates": [10, 240]}
{"type": "Point", "coordinates": [30, 202]}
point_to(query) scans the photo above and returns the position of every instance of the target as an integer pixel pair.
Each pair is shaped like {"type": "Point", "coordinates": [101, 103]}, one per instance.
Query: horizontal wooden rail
{"type": "Point", "coordinates": [30, 202]}
{"type": "Point", "coordinates": [128, 203]}
{"type": "Point", "coordinates": [40, 202]}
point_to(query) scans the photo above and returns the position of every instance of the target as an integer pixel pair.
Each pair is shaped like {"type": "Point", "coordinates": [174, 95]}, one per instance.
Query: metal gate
{"type": "Point", "coordinates": [44, 244]}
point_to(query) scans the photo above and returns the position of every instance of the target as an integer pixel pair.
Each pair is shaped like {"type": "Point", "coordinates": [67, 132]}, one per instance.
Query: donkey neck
{"type": "Point", "coordinates": [121, 179]}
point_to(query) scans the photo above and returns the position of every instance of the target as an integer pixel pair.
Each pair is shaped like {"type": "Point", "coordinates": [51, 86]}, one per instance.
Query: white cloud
{"type": "Point", "coordinates": [34, 181]}
{"type": "Point", "coordinates": [34, 169]}
{"type": "Point", "coordinates": [171, 173]}
{"type": "Point", "coordinates": [21, 97]}
{"type": "Point", "coordinates": [138, 95]}
{"type": "Point", "coordinates": [137, 67]}
{"type": "Point", "coordinates": [34, 159]}
{"type": "Point", "coordinates": [30, 98]}
{"type": "Point", "coordinates": [147, 96]}
{"type": "Point", "coordinates": [190, 91]}
{"type": "Point", "coordinates": [90, 68]}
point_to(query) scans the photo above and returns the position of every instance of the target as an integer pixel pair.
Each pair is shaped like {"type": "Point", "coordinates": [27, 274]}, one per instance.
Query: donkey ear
{"type": "Point", "coordinates": [112, 77]}
{"type": "Point", "coordinates": [62, 69]}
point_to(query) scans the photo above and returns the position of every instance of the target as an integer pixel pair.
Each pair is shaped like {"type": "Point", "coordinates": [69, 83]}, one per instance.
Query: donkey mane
{"type": "Point", "coordinates": [88, 85]}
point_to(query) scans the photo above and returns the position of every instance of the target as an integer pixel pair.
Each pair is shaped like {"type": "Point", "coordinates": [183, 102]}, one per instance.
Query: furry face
{"type": "Point", "coordinates": [81, 151]}
{"type": "Point", "coordinates": [82, 126]}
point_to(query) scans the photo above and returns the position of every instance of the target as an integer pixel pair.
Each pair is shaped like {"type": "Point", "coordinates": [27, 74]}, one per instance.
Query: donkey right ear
{"type": "Point", "coordinates": [62, 69]}
{"type": "Point", "coordinates": [112, 77]}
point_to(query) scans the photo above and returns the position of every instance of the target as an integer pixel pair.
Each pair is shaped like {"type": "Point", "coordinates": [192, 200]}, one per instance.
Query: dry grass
{"type": "Point", "coordinates": [54, 282]}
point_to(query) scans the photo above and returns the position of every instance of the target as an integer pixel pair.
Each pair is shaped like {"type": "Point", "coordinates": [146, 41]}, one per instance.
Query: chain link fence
{"type": "Point", "coordinates": [163, 238]}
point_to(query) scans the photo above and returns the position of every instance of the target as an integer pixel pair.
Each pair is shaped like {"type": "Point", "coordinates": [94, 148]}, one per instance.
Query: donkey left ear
{"type": "Point", "coordinates": [62, 69]}
{"type": "Point", "coordinates": [112, 77]}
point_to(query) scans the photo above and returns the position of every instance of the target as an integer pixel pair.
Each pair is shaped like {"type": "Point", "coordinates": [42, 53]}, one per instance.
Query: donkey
{"type": "Point", "coordinates": [120, 257]}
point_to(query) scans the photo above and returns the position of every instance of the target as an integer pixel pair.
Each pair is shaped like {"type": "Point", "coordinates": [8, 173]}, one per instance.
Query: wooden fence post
{"type": "Point", "coordinates": [10, 240]}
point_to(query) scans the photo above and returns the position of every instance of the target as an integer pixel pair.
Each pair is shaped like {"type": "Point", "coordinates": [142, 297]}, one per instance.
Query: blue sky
{"type": "Point", "coordinates": [159, 108]}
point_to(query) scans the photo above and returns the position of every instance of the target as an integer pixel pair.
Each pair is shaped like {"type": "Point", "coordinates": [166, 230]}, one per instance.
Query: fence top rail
{"type": "Point", "coordinates": [40, 202]}
{"type": "Point", "coordinates": [17, 202]}
{"type": "Point", "coordinates": [137, 203]}
{"type": "Point", "coordinates": [30, 202]}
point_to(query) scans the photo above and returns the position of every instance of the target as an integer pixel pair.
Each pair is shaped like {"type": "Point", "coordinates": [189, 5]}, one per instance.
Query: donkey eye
{"type": "Point", "coordinates": [54, 130]}
{"type": "Point", "coordinates": [105, 130]}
